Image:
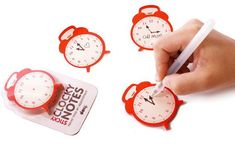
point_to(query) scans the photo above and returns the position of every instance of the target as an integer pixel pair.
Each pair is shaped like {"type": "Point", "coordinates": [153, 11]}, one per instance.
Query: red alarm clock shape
{"type": "Point", "coordinates": [81, 48]}
{"type": "Point", "coordinates": [157, 110]}
{"type": "Point", "coordinates": [32, 89]}
{"type": "Point", "coordinates": [148, 25]}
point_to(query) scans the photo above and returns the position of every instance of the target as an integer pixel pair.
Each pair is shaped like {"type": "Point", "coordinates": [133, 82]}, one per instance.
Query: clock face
{"type": "Point", "coordinates": [84, 50]}
{"type": "Point", "coordinates": [147, 30]}
{"type": "Point", "coordinates": [34, 89]}
{"type": "Point", "coordinates": [154, 109]}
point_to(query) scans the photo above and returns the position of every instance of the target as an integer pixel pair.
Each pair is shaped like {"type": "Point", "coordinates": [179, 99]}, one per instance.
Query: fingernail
{"type": "Point", "coordinates": [157, 77]}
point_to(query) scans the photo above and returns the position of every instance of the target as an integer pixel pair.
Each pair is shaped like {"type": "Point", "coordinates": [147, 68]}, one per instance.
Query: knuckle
{"type": "Point", "coordinates": [157, 55]}
{"type": "Point", "coordinates": [158, 43]}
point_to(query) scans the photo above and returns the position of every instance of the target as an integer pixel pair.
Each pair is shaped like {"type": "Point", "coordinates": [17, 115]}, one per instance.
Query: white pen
{"type": "Point", "coordinates": [186, 53]}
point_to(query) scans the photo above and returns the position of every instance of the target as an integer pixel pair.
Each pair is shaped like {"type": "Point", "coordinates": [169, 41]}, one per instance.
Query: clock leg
{"type": "Point", "coordinates": [107, 52]}
{"type": "Point", "coordinates": [11, 96]}
{"type": "Point", "coordinates": [59, 86]}
{"type": "Point", "coordinates": [88, 69]}
{"type": "Point", "coordinates": [46, 108]}
{"type": "Point", "coordinates": [167, 126]}
{"type": "Point", "coordinates": [180, 102]}
{"type": "Point", "coordinates": [140, 49]}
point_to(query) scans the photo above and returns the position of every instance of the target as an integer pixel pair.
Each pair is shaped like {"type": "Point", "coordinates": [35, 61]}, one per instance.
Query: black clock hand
{"type": "Point", "coordinates": [151, 31]}
{"type": "Point", "coordinates": [80, 47]}
{"type": "Point", "coordinates": [150, 100]}
{"type": "Point", "coordinates": [156, 32]}
{"type": "Point", "coordinates": [147, 27]}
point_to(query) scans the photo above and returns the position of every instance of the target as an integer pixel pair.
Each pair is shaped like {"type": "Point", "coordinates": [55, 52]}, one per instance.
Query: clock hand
{"type": "Point", "coordinates": [156, 32]}
{"type": "Point", "coordinates": [147, 27]}
{"type": "Point", "coordinates": [152, 31]}
{"type": "Point", "coordinates": [150, 100]}
{"type": "Point", "coordinates": [80, 47]}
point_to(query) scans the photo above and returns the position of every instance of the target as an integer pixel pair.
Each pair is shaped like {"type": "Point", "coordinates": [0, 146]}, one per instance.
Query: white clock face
{"type": "Point", "coordinates": [83, 50]}
{"type": "Point", "coordinates": [154, 109]}
{"type": "Point", "coordinates": [34, 89]}
{"type": "Point", "coordinates": [147, 30]}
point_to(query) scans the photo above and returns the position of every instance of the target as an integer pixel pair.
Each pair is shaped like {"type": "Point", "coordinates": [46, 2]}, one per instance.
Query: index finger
{"type": "Point", "coordinates": [166, 48]}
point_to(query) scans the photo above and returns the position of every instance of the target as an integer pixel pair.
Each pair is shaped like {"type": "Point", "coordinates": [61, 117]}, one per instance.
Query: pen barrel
{"type": "Point", "coordinates": [174, 68]}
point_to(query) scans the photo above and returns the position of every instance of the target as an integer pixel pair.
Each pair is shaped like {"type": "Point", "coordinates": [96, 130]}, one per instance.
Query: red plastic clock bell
{"type": "Point", "coordinates": [32, 89]}
{"type": "Point", "coordinates": [148, 25]}
{"type": "Point", "coordinates": [157, 110]}
{"type": "Point", "coordinates": [81, 48]}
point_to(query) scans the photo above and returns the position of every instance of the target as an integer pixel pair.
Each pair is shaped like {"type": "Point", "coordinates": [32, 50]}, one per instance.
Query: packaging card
{"type": "Point", "coordinates": [69, 112]}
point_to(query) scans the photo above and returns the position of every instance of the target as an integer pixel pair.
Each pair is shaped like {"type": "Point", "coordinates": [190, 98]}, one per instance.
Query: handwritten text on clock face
{"type": "Point", "coordinates": [147, 30]}
{"type": "Point", "coordinates": [84, 50]}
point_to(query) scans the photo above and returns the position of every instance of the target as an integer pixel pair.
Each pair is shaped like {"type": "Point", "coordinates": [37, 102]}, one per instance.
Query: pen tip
{"type": "Point", "coordinates": [157, 89]}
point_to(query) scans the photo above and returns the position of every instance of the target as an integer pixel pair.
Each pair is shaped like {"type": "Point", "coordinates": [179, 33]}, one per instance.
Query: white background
{"type": "Point", "coordinates": [204, 127]}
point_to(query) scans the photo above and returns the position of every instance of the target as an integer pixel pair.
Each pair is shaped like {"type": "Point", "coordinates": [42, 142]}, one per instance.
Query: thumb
{"type": "Point", "coordinates": [185, 83]}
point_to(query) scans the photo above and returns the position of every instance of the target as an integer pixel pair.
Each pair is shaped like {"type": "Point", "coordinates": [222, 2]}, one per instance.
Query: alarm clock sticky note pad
{"type": "Point", "coordinates": [148, 25]}
{"type": "Point", "coordinates": [81, 48]}
{"type": "Point", "coordinates": [33, 89]}
{"type": "Point", "coordinates": [153, 111]}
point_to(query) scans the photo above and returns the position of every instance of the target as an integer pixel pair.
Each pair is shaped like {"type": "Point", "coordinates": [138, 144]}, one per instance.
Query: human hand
{"type": "Point", "coordinates": [213, 61]}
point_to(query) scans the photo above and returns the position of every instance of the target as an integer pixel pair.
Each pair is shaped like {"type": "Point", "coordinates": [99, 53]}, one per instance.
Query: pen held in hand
{"type": "Point", "coordinates": [186, 53]}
